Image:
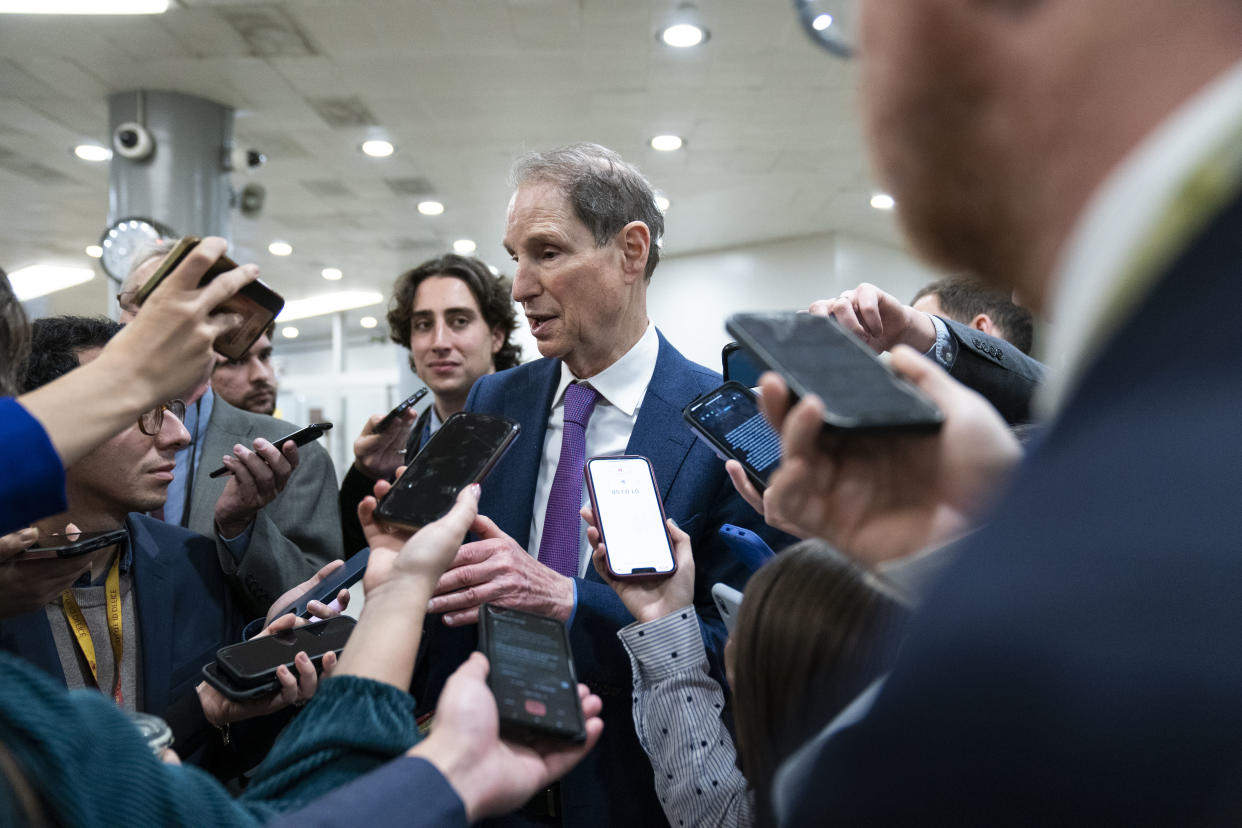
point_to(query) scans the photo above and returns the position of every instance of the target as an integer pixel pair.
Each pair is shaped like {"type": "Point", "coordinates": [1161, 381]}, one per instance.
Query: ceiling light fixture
{"type": "Point", "coordinates": [40, 280]}
{"type": "Point", "coordinates": [883, 201]}
{"type": "Point", "coordinates": [377, 148]}
{"type": "Point", "coordinates": [289, 332]}
{"type": "Point", "coordinates": [492, 269]}
{"type": "Point", "coordinates": [464, 247]}
{"type": "Point", "coordinates": [332, 274]}
{"type": "Point", "coordinates": [430, 208]}
{"type": "Point", "coordinates": [94, 251]}
{"type": "Point", "coordinates": [821, 22]}
{"type": "Point", "coordinates": [329, 303]}
{"type": "Point", "coordinates": [685, 28]}
{"type": "Point", "coordinates": [92, 152]}
{"type": "Point", "coordinates": [280, 248]}
{"type": "Point", "coordinates": [83, 6]}
{"type": "Point", "coordinates": [662, 203]}
{"type": "Point", "coordinates": [368, 321]}
{"type": "Point", "coordinates": [667, 143]}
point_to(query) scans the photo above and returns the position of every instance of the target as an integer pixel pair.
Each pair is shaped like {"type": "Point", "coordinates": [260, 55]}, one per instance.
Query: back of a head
{"type": "Point", "coordinates": [963, 298]}
{"type": "Point", "coordinates": [813, 631]}
{"type": "Point", "coordinates": [14, 339]}
{"type": "Point", "coordinates": [56, 341]}
{"type": "Point", "coordinates": [605, 191]}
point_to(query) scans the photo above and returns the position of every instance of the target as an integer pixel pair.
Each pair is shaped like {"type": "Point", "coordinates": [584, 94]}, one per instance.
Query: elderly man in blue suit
{"type": "Point", "coordinates": [583, 229]}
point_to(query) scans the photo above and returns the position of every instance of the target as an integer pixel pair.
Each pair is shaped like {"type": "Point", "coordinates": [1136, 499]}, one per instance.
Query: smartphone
{"type": "Point", "coordinates": [739, 367]}
{"type": "Point", "coordinates": [256, 303]}
{"type": "Point", "coordinates": [728, 603]}
{"type": "Point", "coordinates": [254, 662]}
{"type": "Point", "coordinates": [86, 542]}
{"type": "Point", "coordinates": [728, 419]}
{"type": "Point", "coordinates": [299, 438]}
{"type": "Point", "coordinates": [403, 407]}
{"type": "Point", "coordinates": [531, 675]}
{"type": "Point", "coordinates": [630, 516]}
{"type": "Point", "coordinates": [463, 451]}
{"type": "Point", "coordinates": [326, 590]}
{"type": "Point", "coordinates": [816, 355]}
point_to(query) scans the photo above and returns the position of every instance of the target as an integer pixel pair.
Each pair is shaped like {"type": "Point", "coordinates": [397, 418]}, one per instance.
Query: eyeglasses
{"type": "Point", "coordinates": [152, 421]}
{"type": "Point", "coordinates": [832, 24]}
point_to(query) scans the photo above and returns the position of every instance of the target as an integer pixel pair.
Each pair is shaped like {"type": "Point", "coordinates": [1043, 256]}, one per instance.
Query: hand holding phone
{"type": "Point", "coordinates": [728, 419]}
{"type": "Point", "coordinates": [249, 669]}
{"type": "Point", "coordinates": [648, 598]}
{"type": "Point", "coordinates": [629, 516]}
{"type": "Point", "coordinates": [381, 448]}
{"type": "Point", "coordinates": [299, 438]}
{"type": "Point", "coordinates": [402, 407]}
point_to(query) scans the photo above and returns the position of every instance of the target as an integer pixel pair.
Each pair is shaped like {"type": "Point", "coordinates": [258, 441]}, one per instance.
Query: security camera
{"type": "Point", "coordinates": [240, 158]}
{"type": "Point", "coordinates": [132, 140]}
{"type": "Point", "coordinates": [250, 201]}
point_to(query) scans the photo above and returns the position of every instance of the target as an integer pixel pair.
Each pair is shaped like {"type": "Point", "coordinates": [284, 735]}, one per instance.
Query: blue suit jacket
{"type": "Point", "coordinates": [613, 785]}
{"type": "Point", "coordinates": [1080, 661]}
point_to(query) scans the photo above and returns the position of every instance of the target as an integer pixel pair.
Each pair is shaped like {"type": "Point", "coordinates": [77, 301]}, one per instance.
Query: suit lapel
{"type": "Point", "coordinates": [660, 434]}
{"type": "Point", "coordinates": [153, 600]}
{"type": "Point", "coordinates": [223, 430]}
{"type": "Point", "coordinates": [30, 636]}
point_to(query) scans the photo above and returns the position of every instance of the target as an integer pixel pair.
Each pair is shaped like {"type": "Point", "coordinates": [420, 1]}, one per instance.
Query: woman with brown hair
{"type": "Point", "coordinates": [814, 630]}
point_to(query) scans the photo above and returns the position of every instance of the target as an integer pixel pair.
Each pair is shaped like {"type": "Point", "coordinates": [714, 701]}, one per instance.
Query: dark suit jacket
{"type": "Point", "coordinates": [185, 610]}
{"type": "Point", "coordinates": [613, 785]}
{"type": "Point", "coordinates": [996, 369]}
{"type": "Point", "coordinates": [1079, 662]}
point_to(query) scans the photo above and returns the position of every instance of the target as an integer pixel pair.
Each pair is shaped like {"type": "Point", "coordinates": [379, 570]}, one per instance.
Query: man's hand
{"type": "Point", "coordinates": [317, 608]}
{"type": "Point", "coordinates": [882, 497]}
{"type": "Point", "coordinates": [495, 570]}
{"type": "Point", "coordinates": [30, 585]}
{"type": "Point", "coordinates": [378, 455]}
{"type": "Point", "coordinates": [492, 776]}
{"type": "Point", "coordinates": [879, 319]}
{"type": "Point", "coordinates": [649, 598]}
{"type": "Point", "coordinates": [258, 476]}
{"type": "Point", "coordinates": [220, 710]}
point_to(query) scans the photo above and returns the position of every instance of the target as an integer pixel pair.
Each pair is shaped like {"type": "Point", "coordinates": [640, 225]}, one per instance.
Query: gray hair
{"type": "Point", "coordinates": [151, 250]}
{"type": "Point", "coordinates": [605, 191]}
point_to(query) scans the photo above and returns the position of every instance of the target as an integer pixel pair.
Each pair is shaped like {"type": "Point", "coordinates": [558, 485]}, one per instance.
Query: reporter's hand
{"type": "Point", "coordinates": [220, 710]}
{"type": "Point", "coordinates": [649, 598]}
{"type": "Point", "coordinates": [881, 497]}
{"type": "Point", "coordinates": [258, 477]}
{"type": "Point", "coordinates": [490, 775]}
{"type": "Point", "coordinates": [317, 608]}
{"type": "Point", "coordinates": [879, 319]}
{"type": "Point", "coordinates": [27, 585]}
{"type": "Point", "coordinates": [378, 455]}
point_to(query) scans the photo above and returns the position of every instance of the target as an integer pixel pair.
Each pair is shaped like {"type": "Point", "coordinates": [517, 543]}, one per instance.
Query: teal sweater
{"type": "Point", "coordinates": [90, 766]}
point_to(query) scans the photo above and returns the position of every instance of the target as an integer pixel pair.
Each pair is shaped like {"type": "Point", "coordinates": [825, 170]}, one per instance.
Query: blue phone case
{"type": "Point", "coordinates": [749, 548]}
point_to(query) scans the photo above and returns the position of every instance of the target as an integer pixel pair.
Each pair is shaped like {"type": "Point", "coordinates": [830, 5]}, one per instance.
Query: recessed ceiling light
{"type": "Point", "coordinates": [662, 203]}
{"type": "Point", "coordinates": [377, 148]}
{"type": "Point", "coordinates": [821, 22]}
{"type": "Point", "coordinates": [40, 280]}
{"type": "Point", "coordinates": [492, 269]}
{"type": "Point", "coordinates": [683, 35]}
{"type": "Point", "coordinates": [94, 251]}
{"type": "Point", "coordinates": [332, 274]}
{"type": "Point", "coordinates": [464, 247]}
{"type": "Point", "coordinates": [883, 201]}
{"type": "Point", "coordinates": [83, 6]}
{"type": "Point", "coordinates": [92, 152]}
{"type": "Point", "coordinates": [368, 322]}
{"type": "Point", "coordinates": [289, 332]}
{"type": "Point", "coordinates": [280, 248]}
{"type": "Point", "coordinates": [328, 303]}
{"type": "Point", "coordinates": [430, 208]}
{"type": "Point", "coordinates": [666, 143]}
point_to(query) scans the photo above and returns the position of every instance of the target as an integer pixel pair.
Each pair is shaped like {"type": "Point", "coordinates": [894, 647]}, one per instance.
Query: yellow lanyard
{"type": "Point", "coordinates": [77, 622]}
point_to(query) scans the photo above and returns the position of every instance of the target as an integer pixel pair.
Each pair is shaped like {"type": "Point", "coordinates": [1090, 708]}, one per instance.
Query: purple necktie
{"type": "Point", "coordinates": [558, 547]}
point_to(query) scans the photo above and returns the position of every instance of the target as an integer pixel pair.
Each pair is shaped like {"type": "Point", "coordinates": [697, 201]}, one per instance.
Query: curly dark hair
{"type": "Point", "coordinates": [491, 292]}
{"type": "Point", "coordinates": [14, 339]}
{"type": "Point", "coordinates": [56, 341]}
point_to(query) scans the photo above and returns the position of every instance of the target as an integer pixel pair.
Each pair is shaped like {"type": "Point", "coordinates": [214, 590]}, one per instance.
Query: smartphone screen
{"type": "Point", "coordinates": [630, 516]}
{"type": "Point", "coordinates": [255, 661]}
{"type": "Point", "coordinates": [462, 452]}
{"type": "Point", "coordinates": [730, 420]}
{"type": "Point", "coordinates": [531, 675]}
{"type": "Point", "coordinates": [817, 356]}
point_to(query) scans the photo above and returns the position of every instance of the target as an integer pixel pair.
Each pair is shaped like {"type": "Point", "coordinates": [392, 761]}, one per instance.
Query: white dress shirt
{"type": "Point", "coordinates": [621, 388]}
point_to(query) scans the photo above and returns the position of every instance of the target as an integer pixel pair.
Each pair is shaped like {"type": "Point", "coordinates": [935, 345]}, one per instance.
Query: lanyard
{"type": "Point", "coordinates": [77, 622]}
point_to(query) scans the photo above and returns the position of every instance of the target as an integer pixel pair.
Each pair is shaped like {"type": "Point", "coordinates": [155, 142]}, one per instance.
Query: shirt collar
{"type": "Point", "coordinates": [1122, 212]}
{"type": "Point", "coordinates": [198, 415]}
{"type": "Point", "coordinates": [624, 383]}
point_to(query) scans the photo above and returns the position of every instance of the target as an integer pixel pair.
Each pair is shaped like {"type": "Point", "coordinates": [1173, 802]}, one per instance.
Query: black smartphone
{"type": "Point", "coordinates": [326, 590]}
{"type": "Point", "coordinates": [256, 303]}
{"type": "Point", "coordinates": [254, 662]}
{"type": "Point", "coordinates": [630, 516]}
{"type": "Point", "coordinates": [738, 367]}
{"type": "Point", "coordinates": [728, 419]}
{"type": "Point", "coordinates": [531, 675]}
{"type": "Point", "coordinates": [403, 407]}
{"type": "Point", "coordinates": [816, 355]}
{"type": "Point", "coordinates": [85, 542]}
{"type": "Point", "coordinates": [463, 451]}
{"type": "Point", "coordinates": [299, 438]}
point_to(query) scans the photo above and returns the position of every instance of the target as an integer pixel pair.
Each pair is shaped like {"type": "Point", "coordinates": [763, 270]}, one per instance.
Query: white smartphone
{"type": "Point", "coordinates": [728, 601]}
{"type": "Point", "coordinates": [630, 516]}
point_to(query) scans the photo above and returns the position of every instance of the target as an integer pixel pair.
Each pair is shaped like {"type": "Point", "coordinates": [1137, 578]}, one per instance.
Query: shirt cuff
{"type": "Point", "coordinates": [237, 546]}
{"type": "Point", "coordinates": [666, 646]}
{"type": "Point", "coordinates": [573, 611]}
{"type": "Point", "coordinates": [944, 351]}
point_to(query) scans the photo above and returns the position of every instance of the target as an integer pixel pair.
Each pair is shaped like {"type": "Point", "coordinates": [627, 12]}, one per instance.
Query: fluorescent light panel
{"type": "Point", "coordinates": [83, 6]}
{"type": "Point", "coordinates": [329, 303]}
{"type": "Point", "coordinates": [40, 280]}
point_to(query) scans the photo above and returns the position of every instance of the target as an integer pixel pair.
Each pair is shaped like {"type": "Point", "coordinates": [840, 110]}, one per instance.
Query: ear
{"type": "Point", "coordinates": [498, 339]}
{"type": "Point", "coordinates": [634, 239]}
{"type": "Point", "coordinates": [984, 323]}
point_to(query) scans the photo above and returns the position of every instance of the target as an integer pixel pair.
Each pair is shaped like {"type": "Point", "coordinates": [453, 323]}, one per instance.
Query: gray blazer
{"type": "Point", "coordinates": [294, 535]}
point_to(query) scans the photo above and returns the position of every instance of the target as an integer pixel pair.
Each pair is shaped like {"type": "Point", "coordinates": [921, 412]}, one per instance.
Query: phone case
{"type": "Point", "coordinates": [213, 676]}
{"type": "Point", "coordinates": [240, 681]}
{"type": "Point", "coordinates": [721, 449]}
{"type": "Point", "coordinates": [728, 602]}
{"type": "Point", "coordinates": [749, 548]}
{"type": "Point", "coordinates": [600, 525]}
